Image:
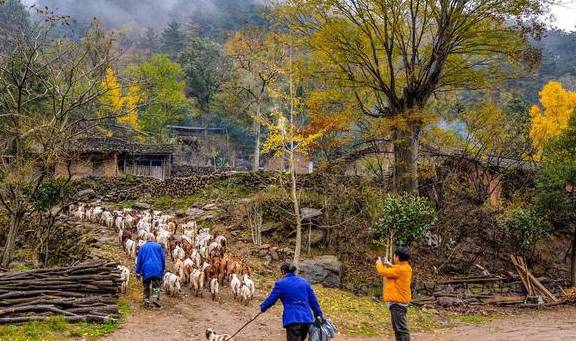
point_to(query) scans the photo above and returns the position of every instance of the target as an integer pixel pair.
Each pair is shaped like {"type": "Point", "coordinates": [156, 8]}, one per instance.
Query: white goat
{"type": "Point", "coordinates": [125, 277]}
{"type": "Point", "coordinates": [235, 284]}
{"type": "Point", "coordinates": [178, 253]}
{"type": "Point", "coordinates": [214, 288]}
{"type": "Point", "coordinates": [171, 283]}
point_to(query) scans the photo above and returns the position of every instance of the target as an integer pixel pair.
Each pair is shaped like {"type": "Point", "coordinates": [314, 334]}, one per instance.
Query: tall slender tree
{"type": "Point", "coordinates": [255, 58]}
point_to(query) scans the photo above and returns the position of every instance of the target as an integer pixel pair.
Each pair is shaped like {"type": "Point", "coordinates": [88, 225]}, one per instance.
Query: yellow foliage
{"type": "Point", "coordinates": [124, 107]}
{"type": "Point", "coordinates": [551, 117]}
{"type": "Point", "coordinates": [286, 135]}
{"type": "Point", "coordinates": [113, 90]}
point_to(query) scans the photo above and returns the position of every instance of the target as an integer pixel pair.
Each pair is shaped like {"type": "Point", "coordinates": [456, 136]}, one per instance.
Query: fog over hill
{"type": "Point", "coordinates": [148, 13]}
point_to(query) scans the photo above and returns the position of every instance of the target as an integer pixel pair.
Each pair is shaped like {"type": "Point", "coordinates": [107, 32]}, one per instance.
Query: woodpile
{"type": "Point", "coordinates": [87, 292]}
{"type": "Point", "coordinates": [569, 295]}
{"type": "Point", "coordinates": [533, 286]}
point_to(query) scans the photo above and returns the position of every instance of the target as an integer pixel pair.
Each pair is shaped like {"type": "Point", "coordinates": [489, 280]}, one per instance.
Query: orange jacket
{"type": "Point", "coordinates": [398, 280]}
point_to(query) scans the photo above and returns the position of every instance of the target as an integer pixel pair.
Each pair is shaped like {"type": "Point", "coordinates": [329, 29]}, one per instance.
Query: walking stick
{"type": "Point", "coordinates": [244, 326]}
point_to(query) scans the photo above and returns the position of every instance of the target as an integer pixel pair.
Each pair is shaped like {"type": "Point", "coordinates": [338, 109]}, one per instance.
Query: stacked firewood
{"type": "Point", "coordinates": [569, 295]}
{"type": "Point", "coordinates": [87, 292]}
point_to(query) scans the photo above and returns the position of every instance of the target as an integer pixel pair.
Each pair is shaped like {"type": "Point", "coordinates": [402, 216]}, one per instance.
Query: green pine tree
{"type": "Point", "coordinates": [173, 40]}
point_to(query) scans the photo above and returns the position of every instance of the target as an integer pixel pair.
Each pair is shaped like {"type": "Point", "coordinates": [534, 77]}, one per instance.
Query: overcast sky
{"type": "Point", "coordinates": [565, 13]}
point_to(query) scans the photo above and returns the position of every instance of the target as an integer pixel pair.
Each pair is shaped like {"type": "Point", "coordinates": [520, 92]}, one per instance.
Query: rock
{"type": "Point", "coordinates": [235, 233]}
{"type": "Point", "coordinates": [208, 218]}
{"type": "Point", "coordinates": [263, 253]}
{"type": "Point", "coordinates": [325, 270]}
{"type": "Point", "coordinates": [264, 247]}
{"type": "Point", "coordinates": [180, 213]}
{"type": "Point", "coordinates": [268, 260]}
{"type": "Point", "coordinates": [197, 205]}
{"type": "Point", "coordinates": [308, 212]}
{"type": "Point", "coordinates": [141, 206]}
{"type": "Point", "coordinates": [269, 228]}
{"type": "Point", "coordinates": [209, 207]}
{"type": "Point", "coordinates": [446, 301]}
{"type": "Point", "coordinates": [274, 253]}
{"type": "Point", "coordinates": [86, 194]}
{"type": "Point", "coordinates": [316, 236]}
{"type": "Point", "coordinates": [194, 212]}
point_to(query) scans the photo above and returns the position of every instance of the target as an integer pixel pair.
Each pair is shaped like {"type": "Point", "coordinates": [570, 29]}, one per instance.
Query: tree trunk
{"type": "Point", "coordinates": [406, 143]}
{"type": "Point", "coordinates": [11, 240]}
{"type": "Point", "coordinates": [294, 193]}
{"type": "Point", "coordinates": [257, 132]}
{"type": "Point", "coordinates": [573, 261]}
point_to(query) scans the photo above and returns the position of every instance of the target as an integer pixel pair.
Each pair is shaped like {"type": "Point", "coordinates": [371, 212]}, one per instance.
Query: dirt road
{"type": "Point", "coordinates": [558, 324]}
{"type": "Point", "coordinates": [187, 318]}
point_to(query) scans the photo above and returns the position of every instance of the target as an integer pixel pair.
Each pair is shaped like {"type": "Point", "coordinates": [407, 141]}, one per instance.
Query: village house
{"type": "Point", "coordinates": [115, 157]}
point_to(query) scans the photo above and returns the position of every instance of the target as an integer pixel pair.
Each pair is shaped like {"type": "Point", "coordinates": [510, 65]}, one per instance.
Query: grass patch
{"type": "Point", "coordinates": [57, 328]}
{"type": "Point", "coordinates": [128, 203]}
{"type": "Point", "coordinates": [21, 267]}
{"type": "Point", "coordinates": [361, 316]}
{"type": "Point", "coordinates": [162, 203]}
{"type": "Point", "coordinates": [470, 319]}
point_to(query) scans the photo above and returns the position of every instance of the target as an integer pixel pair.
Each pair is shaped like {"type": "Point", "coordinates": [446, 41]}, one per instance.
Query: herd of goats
{"type": "Point", "coordinates": [199, 259]}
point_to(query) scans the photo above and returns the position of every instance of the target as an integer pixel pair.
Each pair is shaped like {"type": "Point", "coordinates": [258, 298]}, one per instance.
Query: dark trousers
{"type": "Point", "coordinates": [297, 331]}
{"type": "Point", "coordinates": [149, 285]}
{"type": "Point", "coordinates": [399, 322]}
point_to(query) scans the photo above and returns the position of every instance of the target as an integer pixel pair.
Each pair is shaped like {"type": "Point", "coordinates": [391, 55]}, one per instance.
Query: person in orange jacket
{"type": "Point", "coordinates": [397, 290]}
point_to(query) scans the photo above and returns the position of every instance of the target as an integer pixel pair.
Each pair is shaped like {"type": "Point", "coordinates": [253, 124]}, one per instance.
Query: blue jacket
{"type": "Point", "coordinates": [297, 297]}
{"type": "Point", "coordinates": [150, 262]}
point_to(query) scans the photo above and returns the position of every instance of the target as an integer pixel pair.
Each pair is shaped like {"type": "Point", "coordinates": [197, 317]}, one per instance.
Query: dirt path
{"type": "Point", "coordinates": [549, 325]}
{"type": "Point", "coordinates": [187, 318]}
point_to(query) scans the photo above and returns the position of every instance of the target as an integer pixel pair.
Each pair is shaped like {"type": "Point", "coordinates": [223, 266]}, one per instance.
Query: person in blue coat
{"type": "Point", "coordinates": [150, 265]}
{"type": "Point", "coordinates": [299, 301]}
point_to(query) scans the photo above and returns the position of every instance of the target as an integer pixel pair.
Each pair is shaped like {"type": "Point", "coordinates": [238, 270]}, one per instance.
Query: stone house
{"type": "Point", "coordinates": [115, 157]}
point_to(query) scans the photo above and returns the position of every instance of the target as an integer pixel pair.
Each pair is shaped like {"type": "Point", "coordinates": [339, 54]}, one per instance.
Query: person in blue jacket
{"type": "Point", "coordinates": [299, 301]}
{"type": "Point", "coordinates": [150, 265]}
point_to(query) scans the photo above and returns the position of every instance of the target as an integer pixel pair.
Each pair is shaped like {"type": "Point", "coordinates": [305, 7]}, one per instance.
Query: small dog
{"type": "Point", "coordinates": [212, 336]}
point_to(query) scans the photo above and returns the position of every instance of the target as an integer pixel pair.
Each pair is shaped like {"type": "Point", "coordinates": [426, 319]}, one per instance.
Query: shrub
{"type": "Point", "coordinates": [403, 218]}
{"type": "Point", "coordinates": [526, 227]}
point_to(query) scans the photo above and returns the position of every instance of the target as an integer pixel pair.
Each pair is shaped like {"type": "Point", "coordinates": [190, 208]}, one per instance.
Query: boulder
{"type": "Point", "coordinates": [141, 206]}
{"type": "Point", "coordinates": [86, 194]}
{"type": "Point", "coordinates": [194, 212]}
{"type": "Point", "coordinates": [316, 236]}
{"type": "Point", "coordinates": [325, 270]}
{"type": "Point", "coordinates": [446, 301]}
{"type": "Point", "coordinates": [269, 228]}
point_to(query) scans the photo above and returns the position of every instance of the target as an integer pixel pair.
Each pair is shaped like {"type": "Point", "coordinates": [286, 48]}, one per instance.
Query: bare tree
{"type": "Point", "coordinates": [49, 90]}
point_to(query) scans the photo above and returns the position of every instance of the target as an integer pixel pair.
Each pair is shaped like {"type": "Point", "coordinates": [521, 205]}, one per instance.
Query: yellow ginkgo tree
{"type": "Point", "coordinates": [551, 117]}
{"type": "Point", "coordinates": [120, 102]}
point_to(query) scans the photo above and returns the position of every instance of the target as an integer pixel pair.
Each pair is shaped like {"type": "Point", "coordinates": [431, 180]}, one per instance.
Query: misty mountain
{"type": "Point", "coordinates": [211, 17]}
